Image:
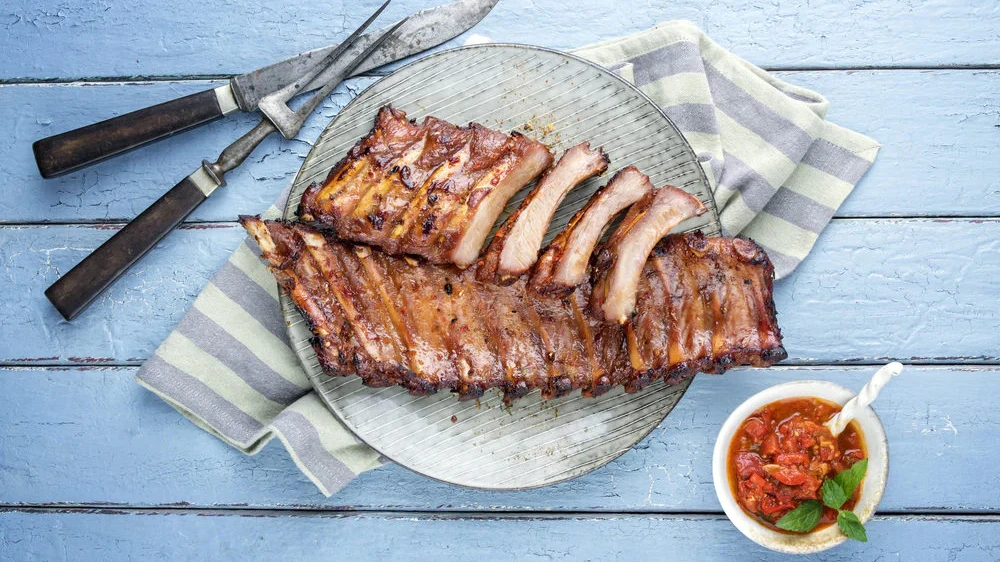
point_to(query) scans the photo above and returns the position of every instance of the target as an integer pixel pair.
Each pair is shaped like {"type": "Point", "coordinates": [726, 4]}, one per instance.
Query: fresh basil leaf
{"type": "Point", "coordinates": [851, 525]}
{"type": "Point", "coordinates": [803, 518]}
{"type": "Point", "coordinates": [850, 479]}
{"type": "Point", "coordinates": [833, 495]}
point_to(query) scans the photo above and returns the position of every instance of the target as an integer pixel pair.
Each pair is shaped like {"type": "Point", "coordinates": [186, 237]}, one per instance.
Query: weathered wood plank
{"type": "Point", "coordinates": [128, 321]}
{"type": "Point", "coordinates": [932, 127]}
{"type": "Point", "coordinates": [93, 436]}
{"type": "Point", "coordinates": [910, 289]}
{"type": "Point", "coordinates": [186, 536]}
{"type": "Point", "coordinates": [51, 39]}
{"type": "Point", "coordinates": [122, 187]}
{"type": "Point", "coordinates": [938, 129]}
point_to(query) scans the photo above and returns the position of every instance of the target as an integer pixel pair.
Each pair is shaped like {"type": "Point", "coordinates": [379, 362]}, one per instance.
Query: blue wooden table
{"type": "Point", "coordinates": [92, 467]}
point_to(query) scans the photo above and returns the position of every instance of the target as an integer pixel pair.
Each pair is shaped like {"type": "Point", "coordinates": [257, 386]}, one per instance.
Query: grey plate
{"type": "Point", "coordinates": [561, 100]}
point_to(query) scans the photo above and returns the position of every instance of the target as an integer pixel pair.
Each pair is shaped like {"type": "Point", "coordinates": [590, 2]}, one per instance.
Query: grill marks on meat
{"type": "Point", "coordinates": [728, 317]}
{"type": "Point", "coordinates": [622, 259]}
{"type": "Point", "coordinates": [564, 263]}
{"type": "Point", "coordinates": [514, 248]}
{"type": "Point", "coordinates": [382, 208]}
{"type": "Point", "coordinates": [462, 239]}
{"type": "Point", "coordinates": [396, 320]}
{"type": "Point", "coordinates": [372, 158]}
{"type": "Point", "coordinates": [430, 189]}
{"type": "Point", "coordinates": [432, 206]}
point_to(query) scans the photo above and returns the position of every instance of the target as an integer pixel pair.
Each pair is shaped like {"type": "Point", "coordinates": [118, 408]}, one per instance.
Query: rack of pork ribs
{"type": "Point", "coordinates": [387, 267]}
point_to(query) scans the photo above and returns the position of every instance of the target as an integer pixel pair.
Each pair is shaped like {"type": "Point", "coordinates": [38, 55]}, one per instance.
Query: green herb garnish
{"type": "Point", "coordinates": [850, 478]}
{"type": "Point", "coordinates": [851, 525]}
{"type": "Point", "coordinates": [803, 518]}
{"type": "Point", "coordinates": [835, 493]}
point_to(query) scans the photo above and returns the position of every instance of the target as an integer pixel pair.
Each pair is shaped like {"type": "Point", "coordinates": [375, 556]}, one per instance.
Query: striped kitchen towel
{"type": "Point", "coordinates": [778, 169]}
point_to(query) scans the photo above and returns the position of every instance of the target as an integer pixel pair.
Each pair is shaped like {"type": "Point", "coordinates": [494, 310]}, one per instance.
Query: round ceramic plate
{"type": "Point", "coordinates": [560, 100]}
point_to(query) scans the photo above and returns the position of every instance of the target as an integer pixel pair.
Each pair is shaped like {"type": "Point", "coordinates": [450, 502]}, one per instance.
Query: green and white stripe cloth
{"type": "Point", "coordinates": [228, 367]}
{"type": "Point", "coordinates": [778, 170]}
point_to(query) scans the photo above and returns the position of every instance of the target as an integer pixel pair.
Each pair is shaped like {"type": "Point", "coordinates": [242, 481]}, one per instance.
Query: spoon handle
{"type": "Point", "coordinates": [868, 393]}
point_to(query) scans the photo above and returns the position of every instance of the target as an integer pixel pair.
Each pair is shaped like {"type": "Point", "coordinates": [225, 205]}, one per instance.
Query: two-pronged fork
{"type": "Point", "coordinates": [74, 291]}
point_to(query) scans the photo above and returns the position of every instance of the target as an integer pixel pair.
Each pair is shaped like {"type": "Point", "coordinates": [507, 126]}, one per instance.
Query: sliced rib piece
{"type": "Point", "coordinates": [367, 162]}
{"type": "Point", "coordinates": [380, 210]}
{"type": "Point", "coordinates": [514, 248]}
{"type": "Point", "coordinates": [430, 189]}
{"type": "Point", "coordinates": [461, 240]}
{"type": "Point", "coordinates": [397, 320]}
{"type": "Point", "coordinates": [444, 193]}
{"type": "Point", "coordinates": [563, 265]}
{"type": "Point", "coordinates": [621, 259]}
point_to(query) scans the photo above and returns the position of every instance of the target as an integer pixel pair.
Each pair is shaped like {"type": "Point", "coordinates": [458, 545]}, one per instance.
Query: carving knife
{"type": "Point", "coordinates": [72, 292]}
{"type": "Point", "coordinates": [72, 150]}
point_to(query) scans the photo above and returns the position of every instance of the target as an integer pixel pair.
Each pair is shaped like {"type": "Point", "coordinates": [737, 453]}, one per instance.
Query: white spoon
{"type": "Point", "coordinates": [864, 398]}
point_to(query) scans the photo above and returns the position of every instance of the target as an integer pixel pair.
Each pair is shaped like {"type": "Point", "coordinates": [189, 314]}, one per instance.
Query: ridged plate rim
{"type": "Point", "coordinates": [299, 334]}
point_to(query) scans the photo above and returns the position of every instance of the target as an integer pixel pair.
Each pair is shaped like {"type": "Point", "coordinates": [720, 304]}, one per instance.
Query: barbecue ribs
{"type": "Point", "coordinates": [564, 263]}
{"type": "Point", "coordinates": [702, 304]}
{"type": "Point", "coordinates": [514, 248]}
{"type": "Point", "coordinates": [581, 315]}
{"type": "Point", "coordinates": [430, 189]}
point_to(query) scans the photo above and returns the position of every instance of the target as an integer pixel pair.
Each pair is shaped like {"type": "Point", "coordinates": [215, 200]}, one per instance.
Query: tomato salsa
{"type": "Point", "coordinates": [781, 454]}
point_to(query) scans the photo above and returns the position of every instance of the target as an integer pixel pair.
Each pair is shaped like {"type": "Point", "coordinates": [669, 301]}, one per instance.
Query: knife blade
{"type": "Point", "coordinates": [421, 31]}
{"type": "Point", "coordinates": [72, 150]}
{"type": "Point", "coordinates": [75, 290]}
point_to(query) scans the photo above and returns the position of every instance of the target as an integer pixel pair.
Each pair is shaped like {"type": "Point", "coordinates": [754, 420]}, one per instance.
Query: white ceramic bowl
{"type": "Point", "coordinates": [871, 491]}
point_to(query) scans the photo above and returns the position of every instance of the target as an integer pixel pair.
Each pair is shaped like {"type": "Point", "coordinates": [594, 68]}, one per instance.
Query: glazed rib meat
{"type": "Point", "coordinates": [703, 304]}
{"type": "Point", "coordinates": [514, 248]}
{"type": "Point", "coordinates": [430, 189]}
{"type": "Point", "coordinates": [622, 258]}
{"type": "Point", "coordinates": [563, 265]}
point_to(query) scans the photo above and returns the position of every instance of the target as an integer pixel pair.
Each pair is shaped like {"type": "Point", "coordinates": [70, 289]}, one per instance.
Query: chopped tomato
{"type": "Point", "coordinates": [827, 452]}
{"type": "Point", "coordinates": [758, 483]}
{"type": "Point", "coordinates": [783, 454]}
{"type": "Point", "coordinates": [789, 459]}
{"type": "Point", "coordinates": [771, 506]}
{"type": "Point", "coordinates": [748, 463]}
{"type": "Point", "coordinates": [771, 445]}
{"type": "Point", "coordinates": [755, 428]}
{"type": "Point", "coordinates": [785, 475]}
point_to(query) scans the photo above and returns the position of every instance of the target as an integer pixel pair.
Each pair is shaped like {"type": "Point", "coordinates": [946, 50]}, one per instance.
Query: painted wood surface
{"type": "Point", "coordinates": [92, 467]}
{"type": "Point", "coordinates": [111, 536]}
{"type": "Point", "coordinates": [119, 445]}
{"type": "Point", "coordinates": [50, 39]}
{"type": "Point", "coordinates": [919, 290]}
{"type": "Point", "coordinates": [932, 125]}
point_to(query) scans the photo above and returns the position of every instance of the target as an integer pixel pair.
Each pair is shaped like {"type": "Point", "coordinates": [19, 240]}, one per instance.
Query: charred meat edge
{"type": "Point", "coordinates": [431, 189]}
{"type": "Point", "coordinates": [374, 315]}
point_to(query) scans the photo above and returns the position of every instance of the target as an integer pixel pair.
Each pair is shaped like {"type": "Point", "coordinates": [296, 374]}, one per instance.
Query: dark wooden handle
{"type": "Point", "coordinates": [74, 291]}
{"type": "Point", "coordinates": [72, 150]}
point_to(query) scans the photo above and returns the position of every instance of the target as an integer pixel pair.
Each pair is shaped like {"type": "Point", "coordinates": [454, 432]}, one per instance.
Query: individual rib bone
{"type": "Point", "coordinates": [514, 248]}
